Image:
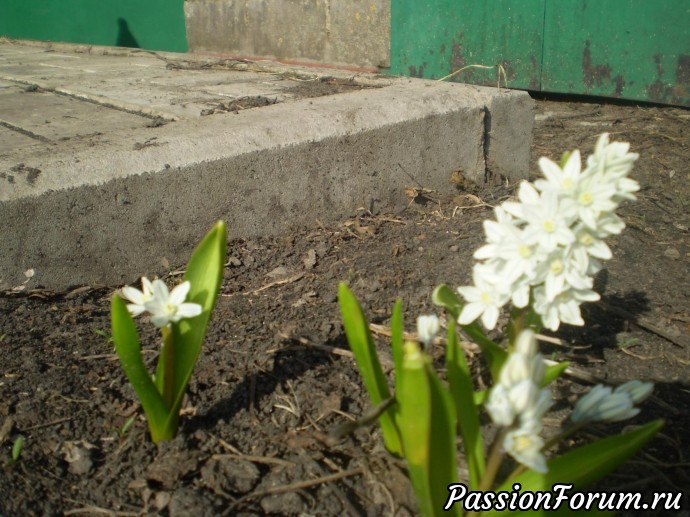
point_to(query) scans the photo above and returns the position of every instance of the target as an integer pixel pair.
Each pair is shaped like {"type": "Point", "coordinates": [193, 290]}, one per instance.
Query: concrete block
{"type": "Point", "coordinates": [509, 129]}
{"type": "Point", "coordinates": [343, 32]}
{"type": "Point", "coordinates": [119, 195]}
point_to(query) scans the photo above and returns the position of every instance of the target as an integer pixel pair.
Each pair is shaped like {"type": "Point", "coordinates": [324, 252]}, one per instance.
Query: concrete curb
{"type": "Point", "coordinates": [109, 212]}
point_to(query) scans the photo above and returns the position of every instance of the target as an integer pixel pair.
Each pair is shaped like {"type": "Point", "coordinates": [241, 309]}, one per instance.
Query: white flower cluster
{"type": "Point", "coordinates": [164, 306]}
{"type": "Point", "coordinates": [518, 402]}
{"type": "Point", "coordinates": [545, 248]}
{"type": "Point", "coordinates": [602, 404]}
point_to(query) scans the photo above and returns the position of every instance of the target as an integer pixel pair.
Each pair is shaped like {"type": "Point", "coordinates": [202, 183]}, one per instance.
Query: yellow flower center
{"type": "Point", "coordinates": [524, 251]}
{"type": "Point", "coordinates": [549, 226]}
{"type": "Point", "coordinates": [522, 443]}
{"type": "Point", "coordinates": [557, 266]}
{"type": "Point", "coordinates": [586, 239]}
{"type": "Point", "coordinates": [486, 298]}
{"type": "Point", "coordinates": [585, 198]}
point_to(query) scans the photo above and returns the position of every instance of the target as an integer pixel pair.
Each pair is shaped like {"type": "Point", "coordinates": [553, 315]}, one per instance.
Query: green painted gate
{"type": "Point", "coordinates": [150, 24]}
{"type": "Point", "coordinates": [631, 49]}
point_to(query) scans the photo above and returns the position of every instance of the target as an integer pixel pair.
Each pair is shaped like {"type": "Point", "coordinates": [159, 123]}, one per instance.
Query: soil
{"type": "Point", "coordinates": [275, 375]}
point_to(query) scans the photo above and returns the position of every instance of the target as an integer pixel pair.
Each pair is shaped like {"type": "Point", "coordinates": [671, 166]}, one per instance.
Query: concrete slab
{"type": "Point", "coordinates": [142, 155]}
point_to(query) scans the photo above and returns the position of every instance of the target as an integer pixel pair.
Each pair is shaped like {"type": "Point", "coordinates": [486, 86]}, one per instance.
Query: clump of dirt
{"type": "Point", "coordinates": [275, 375]}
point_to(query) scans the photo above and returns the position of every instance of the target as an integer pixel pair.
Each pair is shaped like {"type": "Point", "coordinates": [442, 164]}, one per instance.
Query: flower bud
{"type": "Point", "coordinates": [638, 391]}
{"type": "Point", "coordinates": [427, 328]}
{"type": "Point", "coordinates": [602, 404]}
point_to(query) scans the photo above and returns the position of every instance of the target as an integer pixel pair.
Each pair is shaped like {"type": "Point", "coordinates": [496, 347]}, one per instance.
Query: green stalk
{"type": "Point", "coordinates": [494, 461]}
{"type": "Point", "coordinates": [167, 360]}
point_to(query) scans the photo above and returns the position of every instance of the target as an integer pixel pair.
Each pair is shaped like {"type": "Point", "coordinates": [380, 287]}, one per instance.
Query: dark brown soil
{"type": "Point", "coordinates": [274, 376]}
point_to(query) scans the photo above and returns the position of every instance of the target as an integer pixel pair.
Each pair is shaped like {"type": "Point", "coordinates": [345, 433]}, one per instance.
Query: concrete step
{"type": "Point", "coordinates": [114, 163]}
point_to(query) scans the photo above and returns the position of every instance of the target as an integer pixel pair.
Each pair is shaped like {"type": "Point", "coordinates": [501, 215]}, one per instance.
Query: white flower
{"type": "Point", "coordinates": [484, 298]}
{"type": "Point", "coordinates": [564, 308]}
{"type": "Point", "coordinates": [561, 181]}
{"type": "Point", "coordinates": [511, 253]}
{"type": "Point", "coordinates": [548, 222]}
{"type": "Point", "coordinates": [525, 446]}
{"type": "Point", "coordinates": [137, 297]}
{"type": "Point", "coordinates": [427, 328]}
{"type": "Point", "coordinates": [613, 158]}
{"type": "Point", "coordinates": [625, 188]}
{"type": "Point", "coordinates": [519, 367]}
{"type": "Point", "coordinates": [538, 408]}
{"type": "Point", "coordinates": [499, 407]}
{"type": "Point", "coordinates": [545, 248]}
{"type": "Point", "coordinates": [588, 249]}
{"type": "Point", "coordinates": [592, 197]}
{"type": "Point", "coordinates": [638, 391]}
{"type": "Point", "coordinates": [169, 307]}
{"type": "Point", "coordinates": [526, 344]}
{"type": "Point", "coordinates": [518, 402]}
{"type": "Point", "coordinates": [602, 404]}
{"type": "Point", "coordinates": [609, 224]}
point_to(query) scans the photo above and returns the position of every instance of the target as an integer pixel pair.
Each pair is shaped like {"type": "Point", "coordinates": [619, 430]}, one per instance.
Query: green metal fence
{"type": "Point", "coordinates": [631, 49]}
{"type": "Point", "coordinates": [150, 24]}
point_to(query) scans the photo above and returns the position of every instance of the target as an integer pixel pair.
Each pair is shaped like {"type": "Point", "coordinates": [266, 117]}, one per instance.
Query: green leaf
{"type": "Point", "coordinates": [427, 425]}
{"type": "Point", "coordinates": [17, 448]}
{"type": "Point", "coordinates": [494, 355]}
{"type": "Point", "coordinates": [445, 297]}
{"type": "Point", "coordinates": [480, 397]}
{"type": "Point", "coordinates": [129, 351]}
{"type": "Point", "coordinates": [205, 274]}
{"type": "Point", "coordinates": [584, 465]}
{"type": "Point", "coordinates": [362, 345]}
{"type": "Point", "coordinates": [553, 372]}
{"type": "Point", "coordinates": [397, 338]}
{"type": "Point", "coordinates": [462, 391]}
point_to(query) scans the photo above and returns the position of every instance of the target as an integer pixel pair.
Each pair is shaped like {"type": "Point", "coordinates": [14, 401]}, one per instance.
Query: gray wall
{"type": "Point", "coordinates": [333, 32]}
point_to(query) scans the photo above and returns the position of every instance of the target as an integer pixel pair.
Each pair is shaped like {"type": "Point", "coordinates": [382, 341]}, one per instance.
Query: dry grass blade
{"type": "Point", "coordinates": [293, 487]}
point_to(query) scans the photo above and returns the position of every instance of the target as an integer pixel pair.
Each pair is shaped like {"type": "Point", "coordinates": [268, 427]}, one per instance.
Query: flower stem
{"type": "Point", "coordinates": [515, 325]}
{"type": "Point", "coordinates": [168, 358]}
{"type": "Point", "coordinates": [494, 461]}
{"type": "Point", "coordinates": [492, 465]}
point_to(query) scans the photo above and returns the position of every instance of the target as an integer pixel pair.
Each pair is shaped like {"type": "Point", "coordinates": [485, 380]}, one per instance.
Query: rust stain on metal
{"type": "Point", "coordinates": [677, 92]}
{"type": "Point", "coordinates": [591, 73]}
{"type": "Point", "coordinates": [657, 90]}
{"type": "Point", "coordinates": [457, 60]}
{"type": "Point", "coordinates": [417, 72]}
{"type": "Point", "coordinates": [683, 69]}
{"type": "Point", "coordinates": [619, 82]}
{"type": "Point", "coordinates": [681, 89]}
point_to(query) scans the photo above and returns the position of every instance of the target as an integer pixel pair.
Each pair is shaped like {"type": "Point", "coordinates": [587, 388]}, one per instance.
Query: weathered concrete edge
{"type": "Point", "coordinates": [509, 132]}
{"type": "Point", "coordinates": [185, 143]}
{"type": "Point", "coordinates": [112, 231]}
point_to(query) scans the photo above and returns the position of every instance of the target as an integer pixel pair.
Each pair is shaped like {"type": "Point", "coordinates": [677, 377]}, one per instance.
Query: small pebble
{"type": "Point", "coordinates": [672, 253]}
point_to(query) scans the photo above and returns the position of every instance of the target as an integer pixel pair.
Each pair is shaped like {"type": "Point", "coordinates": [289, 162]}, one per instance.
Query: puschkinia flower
{"type": "Point", "coordinates": [164, 306]}
{"type": "Point", "coordinates": [603, 404]}
{"type": "Point", "coordinates": [518, 402]}
{"type": "Point", "coordinates": [137, 297]}
{"type": "Point", "coordinates": [427, 328]}
{"type": "Point", "coordinates": [169, 307]}
{"type": "Point", "coordinates": [545, 247]}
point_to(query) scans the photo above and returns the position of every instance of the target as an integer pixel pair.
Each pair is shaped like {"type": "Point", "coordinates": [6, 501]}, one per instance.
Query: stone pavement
{"type": "Point", "coordinates": [115, 162]}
